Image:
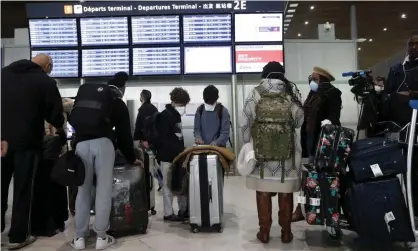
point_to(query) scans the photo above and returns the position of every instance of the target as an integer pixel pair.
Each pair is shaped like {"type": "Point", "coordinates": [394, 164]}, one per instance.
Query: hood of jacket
{"type": "Point", "coordinates": [273, 85]}
{"type": "Point", "coordinates": [24, 65]}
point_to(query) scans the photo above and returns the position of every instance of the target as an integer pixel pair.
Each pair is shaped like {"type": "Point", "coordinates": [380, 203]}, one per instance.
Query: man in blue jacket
{"type": "Point", "coordinates": [212, 120]}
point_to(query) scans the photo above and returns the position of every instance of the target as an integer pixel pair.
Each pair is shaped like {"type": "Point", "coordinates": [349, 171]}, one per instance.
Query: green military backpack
{"type": "Point", "coordinates": [273, 128]}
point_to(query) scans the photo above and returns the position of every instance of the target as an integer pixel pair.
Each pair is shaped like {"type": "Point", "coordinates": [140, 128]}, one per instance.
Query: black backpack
{"type": "Point", "coordinates": [69, 170]}
{"type": "Point", "coordinates": [150, 128]}
{"type": "Point", "coordinates": [219, 109]}
{"type": "Point", "coordinates": [91, 110]}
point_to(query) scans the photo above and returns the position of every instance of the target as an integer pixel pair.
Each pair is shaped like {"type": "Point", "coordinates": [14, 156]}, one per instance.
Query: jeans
{"type": "Point", "coordinates": [98, 156]}
{"type": "Point", "coordinates": [168, 195]}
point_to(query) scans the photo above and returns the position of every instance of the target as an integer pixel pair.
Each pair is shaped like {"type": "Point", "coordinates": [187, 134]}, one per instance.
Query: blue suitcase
{"type": "Point", "coordinates": [379, 212]}
{"type": "Point", "coordinates": [375, 157]}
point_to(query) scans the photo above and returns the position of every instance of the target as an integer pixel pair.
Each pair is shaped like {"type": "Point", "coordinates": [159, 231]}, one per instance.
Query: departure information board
{"type": "Point", "coordinates": [216, 59]}
{"type": "Point", "coordinates": [104, 62]}
{"type": "Point", "coordinates": [53, 32]}
{"type": "Point", "coordinates": [259, 27]}
{"type": "Point", "coordinates": [207, 28]}
{"type": "Point", "coordinates": [155, 29]}
{"type": "Point", "coordinates": [65, 62]}
{"type": "Point", "coordinates": [100, 31]}
{"type": "Point", "coordinates": [156, 61]}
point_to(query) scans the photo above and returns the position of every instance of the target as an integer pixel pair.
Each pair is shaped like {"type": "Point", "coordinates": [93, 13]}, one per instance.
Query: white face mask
{"type": "Point", "coordinates": [210, 108]}
{"type": "Point", "coordinates": [378, 88]}
{"type": "Point", "coordinates": [314, 86]}
{"type": "Point", "coordinates": [181, 110]}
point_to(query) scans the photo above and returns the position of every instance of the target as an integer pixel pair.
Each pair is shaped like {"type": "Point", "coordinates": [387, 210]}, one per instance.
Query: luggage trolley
{"type": "Point", "coordinates": [411, 134]}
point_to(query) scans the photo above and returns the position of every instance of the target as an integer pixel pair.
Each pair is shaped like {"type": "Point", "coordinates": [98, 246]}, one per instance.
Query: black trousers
{"type": "Point", "coordinates": [21, 165]}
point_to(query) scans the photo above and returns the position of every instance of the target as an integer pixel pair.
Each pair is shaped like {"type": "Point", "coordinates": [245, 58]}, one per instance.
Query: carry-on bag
{"type": "Point", "coordinates": [375, 158]}
{"type": "Point", "coordinates": [129, 212]}
{"type": "Point", "coordinates": [205, 192]}
{"type": "Point", "coordinates": [378, 211]}
{"type": "Point", "coordinates": [333, 149]}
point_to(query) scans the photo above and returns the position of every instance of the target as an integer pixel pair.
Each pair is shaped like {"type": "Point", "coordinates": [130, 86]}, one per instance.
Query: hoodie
{"type": "Point", "coordinates": [28, 97]}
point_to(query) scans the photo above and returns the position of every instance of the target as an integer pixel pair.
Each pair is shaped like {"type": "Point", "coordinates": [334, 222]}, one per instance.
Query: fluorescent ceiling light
{"type": "Point", "coordinates": [299, 35]}
{"type": "Point", "coordinates": [289, 16]}
{"type": "Point", "coordinates": [293, 5]}
{"type": "Point", "coordinates": [306, 22]}
{"type": "Point", "coordinates": [312, 7]}
{"type": "Point", "coordinates": [359, 48]}
{"type": "Point", "coordinates": [291, 11]}
{"type": "Point", "coordinates": [285, 32]}
{"type": "Point", "coordinates": [287, 20]}
{"type": "Point", "coordinates": [286, 25]}
{"type": "Point", "coordinates": [385, 29]}
{"type": "Point", "coordinates": [370, 40]}
{"type": "Point", "coordinates": [361, 40]}
{"type": "Point", "coordinates": [403, 16]}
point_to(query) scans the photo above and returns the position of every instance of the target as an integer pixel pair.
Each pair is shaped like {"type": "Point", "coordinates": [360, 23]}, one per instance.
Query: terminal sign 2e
{"type": "Point", "coordinates": [240, 5]}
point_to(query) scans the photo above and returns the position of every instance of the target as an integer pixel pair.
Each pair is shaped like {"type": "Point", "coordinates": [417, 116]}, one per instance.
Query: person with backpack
{"type": "Point", "coordinates": [212, 120]}
{"type": "Point", "coordinates": [272, 114]}
{"type": "Point", "coordinates": [97, 109]}
{"type": "Point", "coordinates": [321, 107]}
{"type": "Point", "coordinates": [145, 111]}
{"type": "Point", "coordinates": [170, 143]}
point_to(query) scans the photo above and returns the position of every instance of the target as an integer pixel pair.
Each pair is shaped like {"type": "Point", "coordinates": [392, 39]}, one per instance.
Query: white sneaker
{"type": "Point", "coordinates": [78, 243]}
{"type": "Point", "coordinates": [105, 243]}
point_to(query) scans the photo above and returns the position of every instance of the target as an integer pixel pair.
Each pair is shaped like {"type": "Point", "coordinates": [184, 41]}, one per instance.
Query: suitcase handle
{"type": "Point", "coordinates": [210, 191]}
{"type": "Point", "coordinates": [151, 183]}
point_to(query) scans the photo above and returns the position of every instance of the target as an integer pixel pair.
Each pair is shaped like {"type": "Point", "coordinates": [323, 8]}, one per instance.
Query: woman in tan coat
{"type": "Point", "coordinates": [271, 177]}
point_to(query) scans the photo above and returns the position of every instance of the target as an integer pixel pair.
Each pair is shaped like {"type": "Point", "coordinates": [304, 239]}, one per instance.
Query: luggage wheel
{"type": "Point", "coordinates": [194, 228]}
{"type": "Point", "coordinates": [143, 230]}
{"type": "Point", "coordinates": [153, 212]}
{"type": "Point", "coordinates": [220, 229]}
{"type": "Point", "coordinates": [335, 233]}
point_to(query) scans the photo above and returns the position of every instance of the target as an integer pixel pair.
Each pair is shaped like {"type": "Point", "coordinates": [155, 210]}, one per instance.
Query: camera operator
{"type": "Point", "coordinates": [371, 102]}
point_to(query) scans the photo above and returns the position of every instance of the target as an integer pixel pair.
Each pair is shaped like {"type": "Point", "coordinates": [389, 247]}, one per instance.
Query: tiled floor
{"type": "Point", "coordinates": [240, 227]}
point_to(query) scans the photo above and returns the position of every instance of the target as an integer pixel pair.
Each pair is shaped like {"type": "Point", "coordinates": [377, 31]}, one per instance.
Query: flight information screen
{"type": "Point", "coordinates": [101, 31]}
{"type": "Point", "coordinates": [259, 27]}
{"type": "Point", "coordinates": [207, 28]}
{"type": "Point", "coordinates": [53, 32]}
{"type": "Point", "coordinates": [156, 61]}
{"type": "Point", "coordinates": [104, 62]}
{"type": "Point", "coordinates": [207, 59]}
{"type": "Point", "coordinates": [155, 29]}
{"type": "Point", "coordinates": [65, 62]}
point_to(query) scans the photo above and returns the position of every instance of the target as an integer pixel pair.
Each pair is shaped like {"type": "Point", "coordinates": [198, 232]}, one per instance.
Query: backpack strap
{"type": "Point", "coordinates": [200, 109]}
{"type": "Point", "coordinates": [261, 90]}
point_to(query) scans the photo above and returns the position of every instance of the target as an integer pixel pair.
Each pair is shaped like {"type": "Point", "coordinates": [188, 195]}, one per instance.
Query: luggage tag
{"type": "Point", "coordinates": [301, 199]}
{"type": "Point", "coordinates": [388, 218]}
{"type": "Point", "coordinates": [377, 172]}
{"type": "Point", "coordinates": [314, 201]}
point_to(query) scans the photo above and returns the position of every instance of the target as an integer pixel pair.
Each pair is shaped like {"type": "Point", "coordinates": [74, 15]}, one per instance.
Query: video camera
{"type": "Point", "coordinates": [362, 82]}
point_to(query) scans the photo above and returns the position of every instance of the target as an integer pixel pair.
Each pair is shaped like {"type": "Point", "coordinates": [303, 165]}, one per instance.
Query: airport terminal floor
{"type": "Point", "coordinates": [240, 228]}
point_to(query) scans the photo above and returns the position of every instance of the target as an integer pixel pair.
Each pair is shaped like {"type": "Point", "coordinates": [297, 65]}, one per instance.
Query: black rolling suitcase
{"type": "Point", "coordinates": [129, 213]}
{"type": "Point", "coordinates": [378, 211]}
{"type": "Point", "coordinates": [50, 205]}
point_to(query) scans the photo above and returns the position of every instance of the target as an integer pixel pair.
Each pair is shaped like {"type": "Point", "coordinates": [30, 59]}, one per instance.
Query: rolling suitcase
{"type": "Point", "coordinates": [378, 211]}
{"type": "Point", "coordinates": [205, 192]}
{"type": "Point", "coordinates": [333, 148]}
{"type": "Point", "coordinates": [129, 212]}
{"type": "Point", "coordinates": [376, 157]}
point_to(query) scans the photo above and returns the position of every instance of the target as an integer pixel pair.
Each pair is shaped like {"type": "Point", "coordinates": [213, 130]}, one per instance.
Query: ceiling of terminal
{"type": "Point", "coordinates": [384, 26]}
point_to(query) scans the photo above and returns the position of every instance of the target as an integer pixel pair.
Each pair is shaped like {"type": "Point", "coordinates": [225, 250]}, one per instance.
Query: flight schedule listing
{"type": "Point", "coordinates": [104, 62]}
{"type": "Point", "coordinates": [156, 61]}
{"type": "Point", "coordinates": [207, 28]}
{"type": "Point", "coordinates": [53, 32]}
{"type": "Point", "coordinates": [65, 62]}
{"type": "Point", "coordinates": [100, 31]}
{"type": "Point", "coordinates": [155, 29]}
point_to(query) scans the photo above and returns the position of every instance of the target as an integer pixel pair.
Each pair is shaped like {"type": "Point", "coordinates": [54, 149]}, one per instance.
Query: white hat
{"type": "Point", "coordinates": [246, 160]}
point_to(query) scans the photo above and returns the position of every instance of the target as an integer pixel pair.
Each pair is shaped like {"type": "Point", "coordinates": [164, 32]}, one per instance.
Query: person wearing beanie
{"type": "Point", "coordinates": [274, 174]}
{"type": "Point", "coordinates": [322, 107]}
{"type": "Point", "coordinates": [102, 151]}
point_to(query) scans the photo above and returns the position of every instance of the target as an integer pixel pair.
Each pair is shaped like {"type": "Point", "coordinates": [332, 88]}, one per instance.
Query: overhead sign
{"type": "Point", "coordinates": [132, 8]}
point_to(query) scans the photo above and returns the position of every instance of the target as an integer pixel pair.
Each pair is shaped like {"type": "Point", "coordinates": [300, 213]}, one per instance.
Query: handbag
{"type": "Point", "coordinates": [69, 170]}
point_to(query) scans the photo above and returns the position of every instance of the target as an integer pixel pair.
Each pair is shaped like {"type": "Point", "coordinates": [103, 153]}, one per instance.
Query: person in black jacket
{"type": "Point", "coordinates": [321, 107]}
{"type": "Point", "coordinates": [171, 143]}
{"type": "Point", "coordinates": [28, 98]}
{"type": "Point", "coordinates": [98, 155]}
{"type": "Point", "coordinates": [146, 110]}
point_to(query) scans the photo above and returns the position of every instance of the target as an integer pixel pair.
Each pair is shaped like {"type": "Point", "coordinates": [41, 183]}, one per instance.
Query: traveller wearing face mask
{"type": "Point", "coordinates": [171, 144]}
{"type": "Point", "coordinates": [28, 98]}
{"type": "Point", "coordinates": [146, 110]}
{"type": "Point", "coordinates": [212, 120]}
{"type": "Point", "coordinates": [97, 150]}
{"type": "Point", "coordinates": [321, 107]}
